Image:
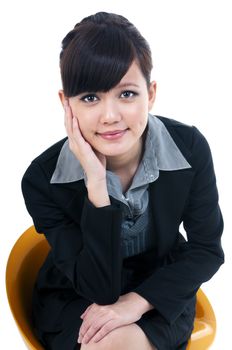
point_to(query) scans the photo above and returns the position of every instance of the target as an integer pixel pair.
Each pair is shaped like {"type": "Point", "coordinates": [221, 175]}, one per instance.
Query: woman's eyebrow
{"type": "Point", "coordinates": [127, 84]}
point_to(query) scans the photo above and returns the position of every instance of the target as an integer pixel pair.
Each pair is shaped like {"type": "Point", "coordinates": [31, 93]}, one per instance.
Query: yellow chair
{"type": "Point", "coordinates": [24, 261]}
{"type": "Point", "coordinates": [204, 325]}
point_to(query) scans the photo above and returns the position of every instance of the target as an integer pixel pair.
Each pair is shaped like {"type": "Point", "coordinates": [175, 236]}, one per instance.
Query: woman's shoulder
{"type": "Point", "coordinates": [47, 160]}
{"type": "Point", "coordinates": [51, 152]}
{"type": "Point", "coordinates": [175, 124]}
{"type": "Point", "coordinates": [188, 138]}
{"type": "Point", "coordinates": [180, 132]}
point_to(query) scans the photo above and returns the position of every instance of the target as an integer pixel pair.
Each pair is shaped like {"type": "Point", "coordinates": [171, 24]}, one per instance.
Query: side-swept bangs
{"type": "Point", "coordinates": [96, 59]}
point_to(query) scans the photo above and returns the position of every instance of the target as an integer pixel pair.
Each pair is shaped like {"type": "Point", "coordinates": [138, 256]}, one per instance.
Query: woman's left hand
{"type": "Point", "coordinates": [99, 320]}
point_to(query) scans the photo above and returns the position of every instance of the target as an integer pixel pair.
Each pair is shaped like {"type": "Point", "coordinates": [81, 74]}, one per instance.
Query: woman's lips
{"type": "Point", "coordinates": [113, 135]}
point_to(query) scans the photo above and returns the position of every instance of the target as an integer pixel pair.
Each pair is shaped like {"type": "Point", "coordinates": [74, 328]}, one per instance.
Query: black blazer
{"type": "Point", "coordinates": [85, 257]}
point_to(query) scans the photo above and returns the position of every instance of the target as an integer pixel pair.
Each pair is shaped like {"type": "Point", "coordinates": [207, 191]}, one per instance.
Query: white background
{"type": "Point", "coordinates": [191, 45]}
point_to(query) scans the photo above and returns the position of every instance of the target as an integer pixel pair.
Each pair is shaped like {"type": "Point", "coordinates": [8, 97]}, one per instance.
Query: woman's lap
{"type": "Point", "coordinates": [163, 335]}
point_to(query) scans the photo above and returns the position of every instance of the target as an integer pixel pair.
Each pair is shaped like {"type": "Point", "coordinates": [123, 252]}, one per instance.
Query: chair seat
{"type": "Point", "coordinates": [25, 259]}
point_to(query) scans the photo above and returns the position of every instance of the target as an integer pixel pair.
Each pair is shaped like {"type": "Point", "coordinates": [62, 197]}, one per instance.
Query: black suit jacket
{"type": "Point", "coordinates": [85, 257]}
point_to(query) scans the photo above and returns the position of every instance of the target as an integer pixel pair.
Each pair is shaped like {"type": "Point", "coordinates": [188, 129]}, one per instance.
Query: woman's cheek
{"type": "Point", "coordinates": [87, 134]}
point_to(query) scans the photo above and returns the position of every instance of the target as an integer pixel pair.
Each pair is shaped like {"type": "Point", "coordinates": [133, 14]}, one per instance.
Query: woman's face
{"type": "Point", "coordinates": [124, 108]}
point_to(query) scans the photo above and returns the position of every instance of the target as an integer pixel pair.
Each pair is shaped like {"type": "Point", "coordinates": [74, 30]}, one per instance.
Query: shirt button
{"type": "Point", "coordinates": [151, 176]}
{"type": "Point", "coordinates": [127, 199]}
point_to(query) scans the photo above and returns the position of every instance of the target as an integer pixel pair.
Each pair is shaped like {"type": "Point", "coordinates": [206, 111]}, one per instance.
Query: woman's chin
{"type": "Point", "coordinates": [111, 150]}
{"type": "Point", "coordinates": [111, 153]}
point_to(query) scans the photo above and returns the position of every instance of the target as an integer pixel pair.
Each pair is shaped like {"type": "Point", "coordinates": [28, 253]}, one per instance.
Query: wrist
{"type": "Point", "coordinates": [93, 183]}
{"type": "Point", "coordinates": [98, 194]}
{"type": "Point", "coordinates": [141, 303]}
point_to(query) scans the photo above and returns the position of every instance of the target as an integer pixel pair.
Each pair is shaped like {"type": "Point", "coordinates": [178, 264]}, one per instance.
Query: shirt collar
{"type": "Point", "coordinates": [160, 153]}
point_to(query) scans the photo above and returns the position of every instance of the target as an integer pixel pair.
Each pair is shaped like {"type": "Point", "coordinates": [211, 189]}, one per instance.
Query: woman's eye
{"type": "Point", "coordinates": [88, 98]}
{"type": "Point", "coordinates": [92, 97]}
{"type": "Point", "coordinates": [129, 93]}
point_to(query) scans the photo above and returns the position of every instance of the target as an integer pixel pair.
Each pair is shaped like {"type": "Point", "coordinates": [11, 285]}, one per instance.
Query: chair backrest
{"type": "Point", "coordinates": [25, 259]}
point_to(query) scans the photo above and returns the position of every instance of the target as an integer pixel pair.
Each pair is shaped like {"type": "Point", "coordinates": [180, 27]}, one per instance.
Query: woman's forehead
{"type": "Point", "coordinates": [132, 77]}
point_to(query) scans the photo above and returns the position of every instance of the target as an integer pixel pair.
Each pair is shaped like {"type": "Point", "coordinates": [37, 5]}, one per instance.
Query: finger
{"type": "Point", "coordinates": [95, 326]}
{"type": "Point", "coordinates": [68, 120]}
{"type": "Point", "coordinates": [86, 323]}
{"type": "Point", "coordinates": [72, 127]}
{"type": "Point", "coordinates": [76, 129]}
{"type": "Point", "coordinates": [91, 325]}
{"type": "Point", "coordinates": [86, 311]}
{"type": "Point", "coordinates": [102, 332]}
{"type": "Point", "coordinates": [85, 338]}
{"type": "Point", "coordinates": [77, 134]}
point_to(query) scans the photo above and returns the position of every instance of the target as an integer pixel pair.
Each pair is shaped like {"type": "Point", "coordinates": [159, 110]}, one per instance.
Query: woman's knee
{"type": "Point", "coordinates": [113, 340]}
{"type": "Point", "coordinates": [125, 337]}
{"type": "Point", "coordinates": [104, 344]}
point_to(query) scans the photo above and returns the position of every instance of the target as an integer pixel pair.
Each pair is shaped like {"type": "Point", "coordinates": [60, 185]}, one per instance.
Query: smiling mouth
{"type": "Point", "coordinates": [113, 135]}
{"type": "Point", "coordinates": [113, 132]}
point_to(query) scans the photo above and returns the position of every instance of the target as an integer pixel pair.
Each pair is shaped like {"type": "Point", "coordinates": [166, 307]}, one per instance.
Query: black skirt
{"type": "Point", "coordinates": [163, 335]}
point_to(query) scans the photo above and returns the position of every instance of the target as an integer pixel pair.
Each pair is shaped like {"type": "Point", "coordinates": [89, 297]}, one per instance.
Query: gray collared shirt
{"type": "Point", "coordinates": [160, 153]}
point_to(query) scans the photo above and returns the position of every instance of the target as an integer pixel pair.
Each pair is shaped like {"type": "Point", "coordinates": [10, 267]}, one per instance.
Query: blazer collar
{"type": "Point", "coordinates": [161, 153]}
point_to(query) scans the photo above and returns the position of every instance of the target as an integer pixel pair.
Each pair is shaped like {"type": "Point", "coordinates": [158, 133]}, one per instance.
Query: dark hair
{"type": "Point", "coordinates": [98, 52]}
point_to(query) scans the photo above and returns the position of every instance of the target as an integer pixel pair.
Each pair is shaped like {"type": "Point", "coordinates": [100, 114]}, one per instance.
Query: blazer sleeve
{"type": "Point", "coordinates": [87, 252]}
{"type": "Point", "coordinates": [171, 287]}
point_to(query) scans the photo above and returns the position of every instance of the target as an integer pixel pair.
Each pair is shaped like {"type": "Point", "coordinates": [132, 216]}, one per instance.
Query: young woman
{"type": "Point", "coordinates": [110, 198]}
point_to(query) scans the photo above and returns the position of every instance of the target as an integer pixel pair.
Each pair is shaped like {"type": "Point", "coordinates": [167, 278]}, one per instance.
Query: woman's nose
{"type": "Point", "coordinates": [110, 114]}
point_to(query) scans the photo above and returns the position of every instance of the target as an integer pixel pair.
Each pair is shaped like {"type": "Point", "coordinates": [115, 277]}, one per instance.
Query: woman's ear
{"type": "Point", "coordinates": [151, 94]}
{"type": "Point", "coordinates": [62, 96]}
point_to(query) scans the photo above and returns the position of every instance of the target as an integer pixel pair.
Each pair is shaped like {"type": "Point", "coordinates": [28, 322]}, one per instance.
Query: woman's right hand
{"type": "Point", "coordinates": [92, 161]}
